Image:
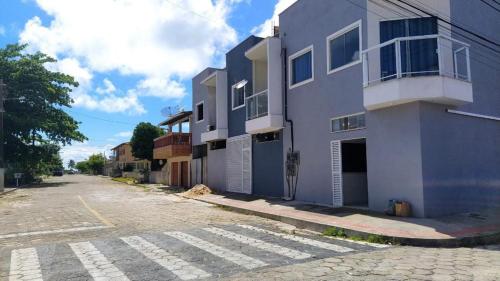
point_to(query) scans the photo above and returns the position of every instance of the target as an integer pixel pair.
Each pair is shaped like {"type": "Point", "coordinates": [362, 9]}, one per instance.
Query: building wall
{"type": "Point", "coordinates": [461, 154]}
{"type": "Point", "coordinates": [200, 93]}
{"type": "Point", "coordinates": [267, 168]}
{"type": "Point", "coordinates": [312, 105]}
{"type": "Point", "coordinates": [394, 157]}
{"type": "Point", "coordinates": [216, 169]}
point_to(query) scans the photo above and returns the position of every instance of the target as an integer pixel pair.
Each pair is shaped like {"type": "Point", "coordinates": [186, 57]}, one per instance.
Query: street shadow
{"type": "Point", "coordinates": [46, 184]}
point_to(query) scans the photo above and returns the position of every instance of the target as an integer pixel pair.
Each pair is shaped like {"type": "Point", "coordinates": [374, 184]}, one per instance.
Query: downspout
{"type": "Point", "coordinates": [292, 162]}
{"type": "Point", "coordinates": [285, 90]}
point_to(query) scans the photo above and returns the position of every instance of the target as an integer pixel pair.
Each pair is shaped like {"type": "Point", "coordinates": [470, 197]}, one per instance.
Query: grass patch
{"type": "Point", "coordinates": [335, 232]}
{"type": "Point", "coordinates": [372, 238]}
{"type": "Point", "coordinates": [125, 180]}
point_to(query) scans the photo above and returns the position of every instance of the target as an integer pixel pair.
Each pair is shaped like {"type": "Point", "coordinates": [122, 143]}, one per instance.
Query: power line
{"type": "Point", "coordinates": [450, 23]}
{"type": "Point", "coordinates": [493, 7]}
{"type": "Point", "coordinates": [443, 27]}
{"type": "Point", "coordinates": [383, 17]}
{"type": "Point", "coordinates": [102, 119]}
{"type": "Point", "coordinates": [448, 17]}
{"type": "Point", "coordinates": [457, 33]}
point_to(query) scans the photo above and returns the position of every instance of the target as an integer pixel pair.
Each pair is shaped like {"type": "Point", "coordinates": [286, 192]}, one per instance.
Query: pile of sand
{"type": "Point", "coordinates": [198, 190]}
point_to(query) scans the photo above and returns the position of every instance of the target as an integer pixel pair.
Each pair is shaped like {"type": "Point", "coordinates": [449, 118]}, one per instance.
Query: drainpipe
{"type": "Point", "coordinates": [292, 162]}
{"type": "Point", "coordinates": [285, 91]}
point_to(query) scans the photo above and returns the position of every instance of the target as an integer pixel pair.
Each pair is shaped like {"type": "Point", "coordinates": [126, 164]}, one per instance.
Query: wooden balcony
{"type": "Point", "coordinates": [172, 145]}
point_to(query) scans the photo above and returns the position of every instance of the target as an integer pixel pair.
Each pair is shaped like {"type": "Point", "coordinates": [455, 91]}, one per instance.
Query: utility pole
{"type": "Point", "coordinates": [3, 94]}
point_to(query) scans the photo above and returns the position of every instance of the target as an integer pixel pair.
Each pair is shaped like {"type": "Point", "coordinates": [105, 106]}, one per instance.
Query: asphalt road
{"type": "Point", "coordinates": [90, 228]}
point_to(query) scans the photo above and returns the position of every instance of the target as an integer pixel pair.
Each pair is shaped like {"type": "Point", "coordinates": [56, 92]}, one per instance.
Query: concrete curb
{"type": "Point", "coordinates": [484, 239]}
{"type": "Point", "coordinates": [9, 191]}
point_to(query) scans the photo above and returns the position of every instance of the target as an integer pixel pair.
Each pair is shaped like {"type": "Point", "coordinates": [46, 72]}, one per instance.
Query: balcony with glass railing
{"type": "Point", "coordinates": [257, 105]}
{"type": "Point", "coordinates": [264, 105]}
{"type": "Point", "coordinates": [432, 68]}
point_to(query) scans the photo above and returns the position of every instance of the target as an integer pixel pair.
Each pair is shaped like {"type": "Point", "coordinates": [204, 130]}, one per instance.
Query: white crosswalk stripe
{"type": "Point", "coordinates": [179, 267]}
{"type": "Point", "coordinates": [364, 243]}
{"type": "Point", "coordinates": [290, 253]}
{"type": "Point", "coordinates": [98, 266]}
{"type": "Point", "coordinates": [24, 265]}
{"type": "Point", "coordinates": [303, 240]}
{"type": "Point", "coordinates": [237, 258]}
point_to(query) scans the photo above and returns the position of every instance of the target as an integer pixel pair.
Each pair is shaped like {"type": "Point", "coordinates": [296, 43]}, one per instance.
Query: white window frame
{"type": "Point", "coordinates": [338, 34]}
{"type": "Point", "coordinates": [344, 116]}
{"type": "Point", "coordinates": [244, 96]}
{"type": "Point", "coordinates": [290, 67]}
{"type": "Point", "coordinates": [196, 108]}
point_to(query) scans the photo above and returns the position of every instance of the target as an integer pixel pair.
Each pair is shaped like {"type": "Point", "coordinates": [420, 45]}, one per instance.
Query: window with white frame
{"type": "Point", "coordinates": [199, 112]}
{"type": "Point", "coordinates": [238, 94]}
{"type": "Point", "coordinates": [344, 47]}
{"type": "Point", "coordinates": [301, 69]}
{"type": "Point", "coordinates": [349, 122]}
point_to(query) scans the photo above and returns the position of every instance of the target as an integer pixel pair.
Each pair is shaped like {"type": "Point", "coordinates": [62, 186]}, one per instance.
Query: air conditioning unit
{"type": "Point", "coordinates": [210, 128]}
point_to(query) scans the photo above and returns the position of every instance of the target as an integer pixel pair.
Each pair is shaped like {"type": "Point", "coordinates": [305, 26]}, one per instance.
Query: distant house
{"type": "Point", "coordinates": [172, 152]}
{"type": "Point", "coordinates": [125, 163]}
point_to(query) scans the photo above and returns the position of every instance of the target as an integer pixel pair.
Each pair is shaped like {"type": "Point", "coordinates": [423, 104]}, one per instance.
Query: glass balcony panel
{"type": "Point", "coordinates": [257, 105]}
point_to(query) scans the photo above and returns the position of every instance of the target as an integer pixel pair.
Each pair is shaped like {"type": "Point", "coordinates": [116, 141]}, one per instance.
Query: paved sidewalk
{"type": "Point", "coordinates": [7, 190]}
{"type": "Point", "coordinates": [457, 230]}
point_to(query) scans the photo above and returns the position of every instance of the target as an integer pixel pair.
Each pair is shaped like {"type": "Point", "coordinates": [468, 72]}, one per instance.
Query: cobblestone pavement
{"type": "Point", "coordinates": [90, 228]}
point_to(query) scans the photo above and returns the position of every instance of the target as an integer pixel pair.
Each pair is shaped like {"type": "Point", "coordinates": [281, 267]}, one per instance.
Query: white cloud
{"type": "Point", "coordinates": [81, 151]}
{"type": "Point", "coordinates": [126, 134]}
{"type": "Point", "coordinates": [161, 88]}
{"type": "Point", "coordinates": [109, 87]}
{"type": "Point", "coordinates": [163, 41]}
{"type": "Point", "coordinates": [82, 96]}
{"type": "Point", "coordinates": [265, 29]}
{"type": "Point", "coordinates": [2, 30]}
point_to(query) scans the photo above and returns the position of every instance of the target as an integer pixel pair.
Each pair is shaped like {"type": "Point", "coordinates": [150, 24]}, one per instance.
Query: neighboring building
{"type": "Point", "coordinates": [237, 145]}
{"type": "Point", "coordinates": [210, 128]}
{"type": "Point", "coordinates": [389, 103]}
{"type": "Point", "coordinates": [172, 152]}
{"type": "Point", "coordinates": [125, 161]}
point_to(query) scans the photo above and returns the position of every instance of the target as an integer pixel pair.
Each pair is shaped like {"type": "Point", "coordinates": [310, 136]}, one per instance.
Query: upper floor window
{"type": "Point", "coordinates": [349, 122]}
{"type": "Point", "coordinates": [418, 57]}
{"type": "Point", "coordinates": [199, 112]}
{"type": "Point", "coordinates": [344, 47]}
{"type": "Point", "coordinates": [301, 67]}
{"type": "Point", "coordinates": [238, 94]}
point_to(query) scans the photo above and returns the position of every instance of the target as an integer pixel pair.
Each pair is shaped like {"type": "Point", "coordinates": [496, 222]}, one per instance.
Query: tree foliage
{"type": "Point", "coordinates": [93, 165]}
{"type": "Point", "coordinates": [83, 167]}
{"type": "Point", "coordinates": [35, 115]}
{"type": "Point", "coordinates": [71, 164]}
{"type": "Point", "coordinates": [142, 140]}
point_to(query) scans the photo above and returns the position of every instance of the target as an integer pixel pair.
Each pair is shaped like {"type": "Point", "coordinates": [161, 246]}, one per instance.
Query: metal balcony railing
{"type": "Point", "coordinates": [173, 139]}
{"type": "Point", "coordinates": [416, 56]}
{"type": "Point", "coordinates": [256, 105]}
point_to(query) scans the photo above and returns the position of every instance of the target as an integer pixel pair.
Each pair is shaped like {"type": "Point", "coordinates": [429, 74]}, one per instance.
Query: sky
{"type": "Point", "coordinates": [132, 58]}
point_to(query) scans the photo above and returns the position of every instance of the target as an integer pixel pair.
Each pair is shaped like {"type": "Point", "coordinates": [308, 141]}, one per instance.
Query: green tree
{"type": "Point", "coordinates": [35, 115]}
{"type": "Point", "coordinates": [142, 140]}
{"type": "Point", "coordinates": [83, 167]}
{"type": "Point", "coordinates": [71, 164]}
{"type": "Point", "coordinates": [96, 163]}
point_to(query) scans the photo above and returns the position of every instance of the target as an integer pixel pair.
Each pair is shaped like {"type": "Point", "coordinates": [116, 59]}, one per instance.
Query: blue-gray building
{"type": "Point", "coordinates": [234, 148]}
{"type": "Point", "coordinates": [354, 103]}
{"type": "Point", "coordinates": [391, 101]}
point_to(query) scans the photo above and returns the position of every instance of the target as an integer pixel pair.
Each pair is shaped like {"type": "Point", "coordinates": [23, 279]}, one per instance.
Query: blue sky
{"type": "Point", "coordinates": [131, 58]}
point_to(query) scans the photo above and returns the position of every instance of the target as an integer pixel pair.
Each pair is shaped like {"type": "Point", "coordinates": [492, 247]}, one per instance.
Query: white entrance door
{"type": "Point", "coordinates": [239, 164]}
{"type": "Point", "coordinates": [336, 152]}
